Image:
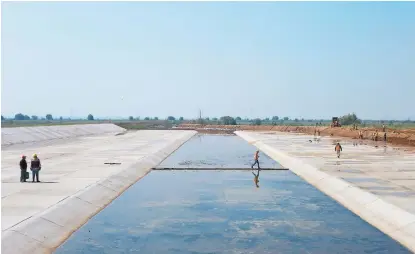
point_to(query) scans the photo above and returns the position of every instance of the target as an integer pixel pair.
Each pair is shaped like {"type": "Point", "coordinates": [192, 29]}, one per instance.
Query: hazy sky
{"type": "Point", "coordinates": [311, 60]}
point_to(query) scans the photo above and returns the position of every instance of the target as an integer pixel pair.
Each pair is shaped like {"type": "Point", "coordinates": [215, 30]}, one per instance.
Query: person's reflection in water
{"type": "Point", "coordinates": [256, 179]}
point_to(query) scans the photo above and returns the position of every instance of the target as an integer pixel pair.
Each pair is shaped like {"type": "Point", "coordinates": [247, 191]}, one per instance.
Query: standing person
{"type": "Point", "coordinates": [256, 157]}
{"type": "Point", "coordinates": [35, 167]}
{"type": "Point", "coordinates": [338, 148]}
{"type": "Point", "coordinates": [23, 169]}
{"type": "Point", "coordinates": [384, 137]}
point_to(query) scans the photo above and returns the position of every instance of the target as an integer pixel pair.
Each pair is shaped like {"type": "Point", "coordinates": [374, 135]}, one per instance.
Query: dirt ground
{"type": "Point", "coordinates": [405, 137]}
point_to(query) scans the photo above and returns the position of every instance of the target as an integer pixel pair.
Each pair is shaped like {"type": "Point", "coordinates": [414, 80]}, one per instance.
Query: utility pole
{"type": "Point", "coordinates": [200, 116]}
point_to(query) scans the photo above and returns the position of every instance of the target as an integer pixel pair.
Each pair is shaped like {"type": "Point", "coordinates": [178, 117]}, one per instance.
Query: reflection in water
{"type": "Point", "coordinates": [256, 178]}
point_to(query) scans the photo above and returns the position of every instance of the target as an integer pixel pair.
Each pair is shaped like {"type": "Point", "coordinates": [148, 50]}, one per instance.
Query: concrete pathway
{"type": "Point", "coordinates": [71, 166]}
{"type": "Point", "coordinates": [388, 174]}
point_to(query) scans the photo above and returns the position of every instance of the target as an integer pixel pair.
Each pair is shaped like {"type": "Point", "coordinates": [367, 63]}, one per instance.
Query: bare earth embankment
{"type": "Point", "coordinates": [404, 137]}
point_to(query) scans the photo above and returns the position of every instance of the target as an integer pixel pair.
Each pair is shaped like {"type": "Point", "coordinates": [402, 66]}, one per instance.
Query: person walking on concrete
{"type": "Point", "coordinates": [35, 167]}
{"type": "Point", "coordinates": [23, 169]}
{"type": "Point", "coordinates": [256, 157]}
{"type": "Point", "coordinates": [338, 148]}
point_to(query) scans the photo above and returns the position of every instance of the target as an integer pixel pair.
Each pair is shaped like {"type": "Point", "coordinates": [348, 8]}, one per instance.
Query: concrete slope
{"type": "Point", "coordinates": [376, 184]}
{"type": "Point", "coordinates": [19, 135]}
{"type": "Point", "coordinates": [76, 184]}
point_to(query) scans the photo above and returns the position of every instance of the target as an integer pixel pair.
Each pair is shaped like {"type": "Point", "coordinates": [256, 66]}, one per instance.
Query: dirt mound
{"type": "Point", "coordinates": [398, 137]}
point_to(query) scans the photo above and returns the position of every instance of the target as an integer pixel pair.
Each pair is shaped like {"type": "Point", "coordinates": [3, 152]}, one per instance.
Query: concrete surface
{"type": "Point", "coordinates": [19, 135]}
{"type": "Point", "coordinates": [378, 184]}
{"type": "Point", "coordinates": [37, 217]}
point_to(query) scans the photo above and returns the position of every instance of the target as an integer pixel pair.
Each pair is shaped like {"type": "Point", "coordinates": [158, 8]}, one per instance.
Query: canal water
{"type": "Point", "coordinates": [224, 212]}
{"type": "Point", "coordinates": [215, 151]}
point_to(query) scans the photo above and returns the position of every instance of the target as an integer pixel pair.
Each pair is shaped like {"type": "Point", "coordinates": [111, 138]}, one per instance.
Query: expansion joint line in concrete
{"type": "Point", "coordinates": [35, 214]}
{"type": "Point", "coordinates": [31, 238]}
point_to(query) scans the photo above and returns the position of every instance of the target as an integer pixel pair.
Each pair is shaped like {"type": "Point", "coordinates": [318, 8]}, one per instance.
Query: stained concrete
{"type": "Point", "coordinates": [23, 135]}
{"type": "Point", "coordinates": [375, 183]}
{"type": "Point", "coordinates": [75, 183]}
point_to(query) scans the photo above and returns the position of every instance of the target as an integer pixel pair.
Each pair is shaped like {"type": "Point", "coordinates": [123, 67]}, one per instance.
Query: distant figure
{"type": "Point", "coordinates": [384, 137]}
{"type": "Point", "coordinates": [338, 148]}
{"type": "Point", "coordinates": [256, 179]}
{"type": "Point", "coordinates": [256, 157]}
{"type": "Point", "coordinates": [23, 169]}
{"type": "Point", "coordinates": [35, 167]}
{"type": "Point", "coordinates": [383, 128]}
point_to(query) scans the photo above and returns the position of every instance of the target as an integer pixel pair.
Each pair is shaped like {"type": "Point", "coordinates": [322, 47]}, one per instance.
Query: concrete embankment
{"type": "Point", "coordinates": [75, 184]}
{"type": "Point", "coordinates": [398, 137]}
{"type": "Point", "coordinates": [376, 184]}
{"type": "Point", "coordinates": [21, 135]}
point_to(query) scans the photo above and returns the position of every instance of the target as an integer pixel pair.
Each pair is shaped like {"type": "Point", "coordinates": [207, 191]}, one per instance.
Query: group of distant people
{"type": "Point", "coordinates": [35, 167]}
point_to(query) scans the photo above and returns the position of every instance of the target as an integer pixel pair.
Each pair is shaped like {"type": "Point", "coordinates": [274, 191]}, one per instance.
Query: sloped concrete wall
{"type": "Point", "coordinates": [44, 232]}
{"type": "Point", "coordinates": [20, 135]}
{"type": "Point", "coordinates": [390, 219]}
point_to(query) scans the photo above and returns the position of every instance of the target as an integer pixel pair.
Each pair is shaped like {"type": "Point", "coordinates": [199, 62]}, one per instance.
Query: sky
{"type": "Point", "coordinates": [247, 59]}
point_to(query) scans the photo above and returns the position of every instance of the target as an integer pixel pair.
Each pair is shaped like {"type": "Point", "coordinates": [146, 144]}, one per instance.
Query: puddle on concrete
{"type": "Point", "coordinates": [214, 151]}
{"type": "Point", "coordinates": [223, 212]}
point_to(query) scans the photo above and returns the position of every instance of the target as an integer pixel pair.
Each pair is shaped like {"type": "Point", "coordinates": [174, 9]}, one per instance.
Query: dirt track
{"type": "Point", "coordinates": [404, 137]}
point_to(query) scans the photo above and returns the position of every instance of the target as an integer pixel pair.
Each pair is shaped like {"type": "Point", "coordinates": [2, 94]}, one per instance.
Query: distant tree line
{"type": "Point", "coordinates": [147, 118]}
{"type": "Point", "coordinates": [347, 119]}
{"type": "Point", "coordinates": [48, 117]}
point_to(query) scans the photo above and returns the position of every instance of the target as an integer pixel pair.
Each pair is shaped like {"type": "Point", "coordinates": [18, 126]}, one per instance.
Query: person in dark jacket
{"type": "Point", "coordinates": [35, 166]}
{"type": "Point", "coordinates": [23, 169]}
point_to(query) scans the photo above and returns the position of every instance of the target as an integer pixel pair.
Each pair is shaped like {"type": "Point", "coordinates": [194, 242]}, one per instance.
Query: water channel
{"type": "Point", "coordinates": [224, 212]}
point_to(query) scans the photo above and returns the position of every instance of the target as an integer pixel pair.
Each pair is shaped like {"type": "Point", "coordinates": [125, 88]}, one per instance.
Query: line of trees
{"type": "Point", "coordinates": [20, 117]}
{"type": "Point", "coordinates": [147, 118]}
{"type": "Point", "coordinates": [226, 120]}
{"type": "Point", "coordinates": [48, 117]}
{"type": "Point", "coordinates": [348, 119]}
